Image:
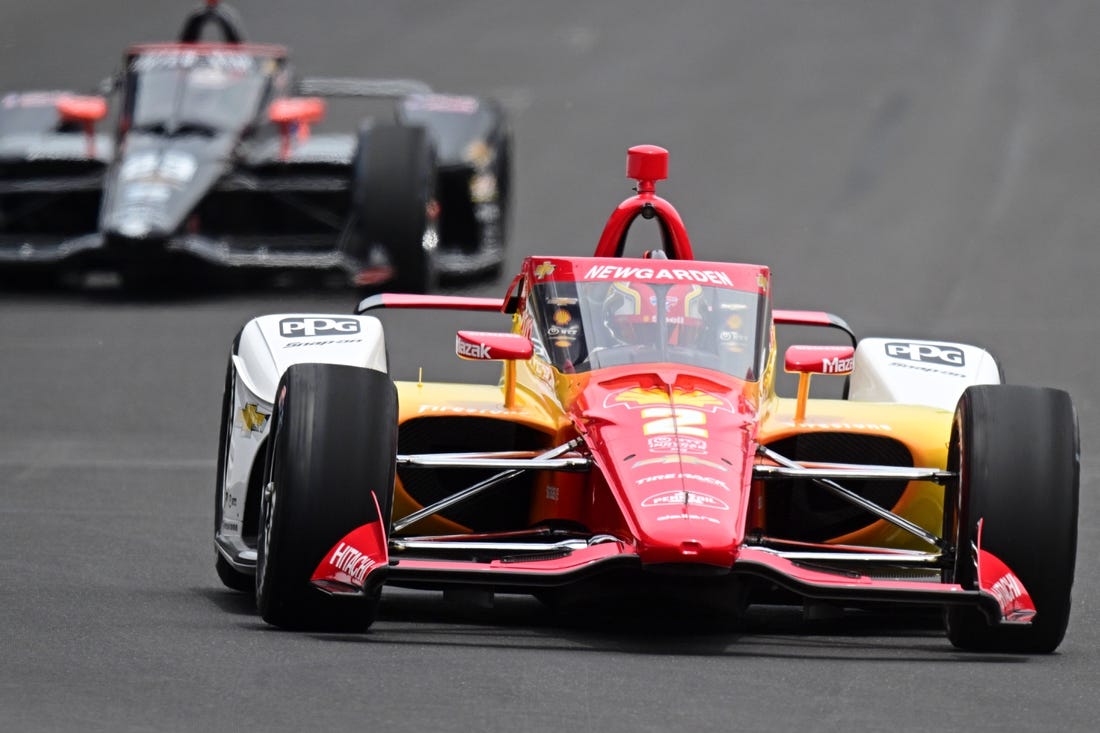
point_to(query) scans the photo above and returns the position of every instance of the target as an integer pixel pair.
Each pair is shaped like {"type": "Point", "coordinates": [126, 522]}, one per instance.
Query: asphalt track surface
{"type": "Point", "coordinates": [923, 168]}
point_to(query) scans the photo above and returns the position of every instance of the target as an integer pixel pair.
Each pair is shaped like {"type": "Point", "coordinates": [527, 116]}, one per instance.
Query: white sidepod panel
{"type": "Point", "coordinates": [917, 372]}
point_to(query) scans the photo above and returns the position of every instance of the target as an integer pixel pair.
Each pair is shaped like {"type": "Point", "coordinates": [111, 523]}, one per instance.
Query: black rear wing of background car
{"type": "Point", "coordinates": [368, 88]}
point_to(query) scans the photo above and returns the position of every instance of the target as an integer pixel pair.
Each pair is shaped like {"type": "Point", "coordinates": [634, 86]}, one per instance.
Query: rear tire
{"type": "Point", "coordinates": [393, 188]}
{"type": "Point", "coordinates": [333, 441]}
{"type": "Point", "coordinates": [1016, 451]}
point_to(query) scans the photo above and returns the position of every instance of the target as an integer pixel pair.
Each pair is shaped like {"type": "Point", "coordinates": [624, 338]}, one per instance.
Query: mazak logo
{"type": "Point", "coordinates": [836, 365]}
{"type": "Point", "coordinates": [944, 354]}
{"type": "Point", "coordinates": [470, 350]}
{"type": "Point", "coordinates": [309, 327]}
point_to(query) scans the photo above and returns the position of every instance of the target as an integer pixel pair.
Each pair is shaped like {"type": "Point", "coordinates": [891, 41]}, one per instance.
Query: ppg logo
{"type": "Point", "coordinates": [926, 353]}
{"type": "Point", "coordinates": [304, 327]}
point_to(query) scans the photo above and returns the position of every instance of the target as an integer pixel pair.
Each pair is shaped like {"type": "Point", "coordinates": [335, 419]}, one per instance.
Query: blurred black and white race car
{"type": "Point", "coordinates": [213, 160]}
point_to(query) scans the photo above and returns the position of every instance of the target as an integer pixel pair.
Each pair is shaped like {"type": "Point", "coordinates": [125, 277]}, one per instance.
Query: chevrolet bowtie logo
{"type": "Point", "coordinates": [252, 418]}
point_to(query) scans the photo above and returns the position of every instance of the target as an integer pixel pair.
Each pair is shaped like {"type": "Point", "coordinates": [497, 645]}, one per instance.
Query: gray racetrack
{"type": "Point", "coordinates": [921, 168]}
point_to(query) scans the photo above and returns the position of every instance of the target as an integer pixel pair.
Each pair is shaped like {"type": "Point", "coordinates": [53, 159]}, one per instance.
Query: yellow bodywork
{"type": "Point", "coordinates": [925, 431]}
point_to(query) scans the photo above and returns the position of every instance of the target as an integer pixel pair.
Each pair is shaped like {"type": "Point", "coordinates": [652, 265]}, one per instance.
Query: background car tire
{"type": "Point", "coordinates": [1016, 451]}
{"type": "Point", "coordinates": [393, 187]}
{"type": "Point", "coordinates": [333, 440]}
{"type": "Point", "coordinates": [504, 186]}
{"type": "Point", "coordinates": [231, 577]}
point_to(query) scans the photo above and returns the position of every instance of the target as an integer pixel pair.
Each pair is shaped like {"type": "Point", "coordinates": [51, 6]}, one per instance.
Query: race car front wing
{"type": "Point", "coordinates": [533, 560]}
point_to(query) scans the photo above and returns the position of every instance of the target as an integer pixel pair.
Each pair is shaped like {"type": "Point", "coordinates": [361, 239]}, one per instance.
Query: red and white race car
{"type": "Point", "coordinates": [635, 443]}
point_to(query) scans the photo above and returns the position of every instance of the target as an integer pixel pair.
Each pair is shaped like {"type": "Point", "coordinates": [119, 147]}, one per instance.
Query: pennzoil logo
{"type": "Point", "coordinates": [692, 499]}
{"type": "Point", "coordinates": [545, 269]}
{"type": "Point", "coordinates": [655, 396]}
{"type": "Point", "coordinates": [252, 419]}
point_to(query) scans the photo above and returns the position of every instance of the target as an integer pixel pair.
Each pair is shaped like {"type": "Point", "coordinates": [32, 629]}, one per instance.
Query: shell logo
{"type": "Point", "coordinates": [643, 397]}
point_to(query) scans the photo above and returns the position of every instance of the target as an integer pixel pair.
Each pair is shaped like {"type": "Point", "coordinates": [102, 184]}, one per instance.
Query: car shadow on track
{"type": "Point", "coordinates": [231, 602]}
{"type": "Point", "coordinates": [522, 622]}
{"type": "Point", "coordinates": [765, 632]}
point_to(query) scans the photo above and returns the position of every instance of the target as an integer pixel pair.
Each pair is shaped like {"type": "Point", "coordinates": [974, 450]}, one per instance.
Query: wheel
{"type": "Point", "coordinates": [1016, 452]}
{"type": "Point", "coordinates": [333, 442]}
{"type": "Point", "coordinates": [504, 186]}
{"type": "Point", "coordinates": [393, 195]}
{"type": "Point", "coordinates": [231, 577]}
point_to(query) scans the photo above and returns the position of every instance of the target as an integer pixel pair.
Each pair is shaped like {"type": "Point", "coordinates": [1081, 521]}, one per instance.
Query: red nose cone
{"type": "Point", "coordinates": [647, 163]}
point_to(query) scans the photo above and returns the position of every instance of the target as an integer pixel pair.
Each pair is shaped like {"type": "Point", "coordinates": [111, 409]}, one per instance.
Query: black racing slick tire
{"type": "Point", "coordinates": [393, 195]}
{"type": "Point", "coordinates": [504, 186]}
{"type": "Point", "coordinates": [333, 442]}
{"type": "Point", "coordinates": [1015, 450]}
{"type": "Point", "coordinates": [231, 577]}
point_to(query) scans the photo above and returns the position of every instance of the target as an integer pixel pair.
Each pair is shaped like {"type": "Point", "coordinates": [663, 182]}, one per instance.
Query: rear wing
{"type": "Point", "coordinates": [489, 305]}
{"type": "Point", "coordinates": [430, 302]}
{"type": "Point", "coordinates": [371, 88]}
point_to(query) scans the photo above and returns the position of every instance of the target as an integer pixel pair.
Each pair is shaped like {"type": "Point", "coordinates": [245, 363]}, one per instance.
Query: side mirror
{"type": "Point", "coordinates": [303, 110]}
{"type": "Point", "coordinates": [300, 111]}
{"type": "Point", "coordinates": [85, 110]}
{"type": "Point", "coordinates": [492, 346]}
{"type": "Point", "coordinates": [809, 360]}
{"type": "Point", "coordinates": [838, 360]}
{"type": "Point", "coordinates": [74, 108]}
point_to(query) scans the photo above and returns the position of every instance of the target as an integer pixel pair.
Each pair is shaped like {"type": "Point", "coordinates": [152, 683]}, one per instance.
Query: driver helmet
{"type": "Point", "coordinates": [631, 313]}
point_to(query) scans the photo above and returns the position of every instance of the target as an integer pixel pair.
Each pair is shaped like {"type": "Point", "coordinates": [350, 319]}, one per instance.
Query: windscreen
{"type": "Point", "coordinates": [175, 92]}
{"type": "Point", "coordinates": [581, 326]}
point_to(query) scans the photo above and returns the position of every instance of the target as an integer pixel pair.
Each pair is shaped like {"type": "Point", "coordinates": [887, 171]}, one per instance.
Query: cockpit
{"type": "Point", "coordinates": [177, 90]}
{"type": "Point", "coordinates": [583, 326]}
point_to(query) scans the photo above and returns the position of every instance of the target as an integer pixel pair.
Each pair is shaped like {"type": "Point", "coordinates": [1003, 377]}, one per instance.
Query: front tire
{"type": "Point", "coordinates": [1016, 452]}
{"type": "Point", "coordinates": [333, 442]}
{"type": "Point", "coordinates": [393, 196]}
